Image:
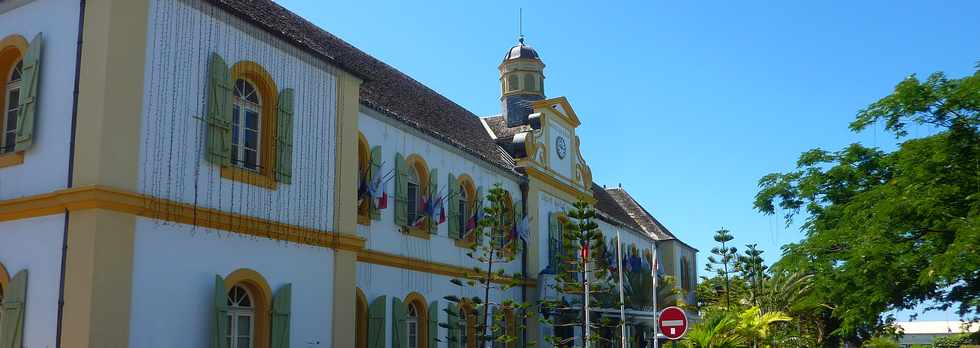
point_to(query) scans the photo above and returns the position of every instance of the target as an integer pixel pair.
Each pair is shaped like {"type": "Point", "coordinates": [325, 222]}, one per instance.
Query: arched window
{"type": "Point", "coordinates": [241, 327]}
{"type": "Point", "coordinates": [412, 326]}
{"type": "Point", "coordinates": [414, 196]}
{"type": "Point", "coordinates": [12, 50]}
{"type": "Point", "coordinates": [529, 82]}
{"type": "Point", "coordinates": [246, 125]}
{"type": "Point", "coordinates": [463, 207]}
{"type": "Point", "coordinates": [513, 83]}
{"type": "Point", "coordinates": [507, 221]}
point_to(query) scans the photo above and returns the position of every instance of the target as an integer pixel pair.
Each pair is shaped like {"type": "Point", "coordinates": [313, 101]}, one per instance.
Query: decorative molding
{"type": "Point", "coordinates": [101, 197]}
{"type": "Point", "coordinates": [560, 186]}
{"type": "Point", "coordinates": [413, 264]}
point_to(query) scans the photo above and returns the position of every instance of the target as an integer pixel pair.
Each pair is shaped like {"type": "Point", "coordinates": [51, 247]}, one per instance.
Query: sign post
{"type": "Point", "coordinates": [672, 323]}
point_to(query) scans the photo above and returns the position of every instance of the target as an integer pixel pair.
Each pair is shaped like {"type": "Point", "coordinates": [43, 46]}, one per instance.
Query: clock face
{"type": "Point", "coordinates": [561, 147]}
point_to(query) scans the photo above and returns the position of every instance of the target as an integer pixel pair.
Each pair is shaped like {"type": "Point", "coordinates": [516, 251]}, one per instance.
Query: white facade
{"type": "Point", "coordinates": [35, 245]}
{"type": "Point", "coordinates": [45, 166]}
{"type": "Point", "coordinates": [172, 165]}
{"type": "Point", "coordinates": [173, 283]}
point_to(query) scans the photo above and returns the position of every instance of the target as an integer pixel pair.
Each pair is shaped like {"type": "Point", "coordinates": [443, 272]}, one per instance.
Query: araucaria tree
{"type": "Point", "coordinates": [582, 276]}
{"type": "Point", "coordinates": [891, 230]}
{"type": "Point", "coordinates": [723, 261]}
{"type": "Point", "coordinates": [493, 245]}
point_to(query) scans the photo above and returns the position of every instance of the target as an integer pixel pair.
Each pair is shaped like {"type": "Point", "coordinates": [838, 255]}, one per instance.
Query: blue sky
{"type": "Point", "coordinates": [686, 104]}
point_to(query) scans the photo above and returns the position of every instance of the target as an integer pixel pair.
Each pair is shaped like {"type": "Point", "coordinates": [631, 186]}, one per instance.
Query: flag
{"type": "Point", "coordinates": [426, 212]}
{"type": "Point", "coordinates": [378, 188]}
{"type": "Point", "coordinates": [437, 210]}
{"type": "Point", "coordinates": [522, 228]}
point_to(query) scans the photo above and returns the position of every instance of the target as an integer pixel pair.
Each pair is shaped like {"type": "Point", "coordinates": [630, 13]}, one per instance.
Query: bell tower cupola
{"type": "Point", "coordinates": [521, 82]}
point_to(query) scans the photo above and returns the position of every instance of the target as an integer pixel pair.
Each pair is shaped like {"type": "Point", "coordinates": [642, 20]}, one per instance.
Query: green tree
{"type": "Point", "coordinates": [752, 268]}
{"type": "Point", "coordinates": [880, 342]}
{"type": "Point", "coordinates": [580, 233]}
{"type": "Point", "coordinates": [724, 265]}
{"type": "Point", "coordinates": [891, 230]}
{"type": "Point", "coordinates": [497, 221]}
{"type": "Point", "coordinates": [718, 329]}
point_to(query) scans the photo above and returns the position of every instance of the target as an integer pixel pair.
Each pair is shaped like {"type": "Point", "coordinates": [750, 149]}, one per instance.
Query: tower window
{"type": "Point", "coordinates": [529, 82]}
{"type": "Point", "coordinates": [513, 83]}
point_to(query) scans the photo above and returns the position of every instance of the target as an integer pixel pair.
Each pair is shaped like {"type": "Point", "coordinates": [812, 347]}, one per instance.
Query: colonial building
{"type": "Point", "coordinates": [223, 173]}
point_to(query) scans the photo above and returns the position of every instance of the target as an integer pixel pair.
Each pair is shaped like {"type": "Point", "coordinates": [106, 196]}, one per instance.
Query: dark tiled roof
{"type": "Point", "coordinates": [498, 125]}
{"type": "Point", "coordinates": [638, 214]}
{"type": "Point", "coordinates": [385, 88]}
{"type": "Point", "coordinates": [609, 209]}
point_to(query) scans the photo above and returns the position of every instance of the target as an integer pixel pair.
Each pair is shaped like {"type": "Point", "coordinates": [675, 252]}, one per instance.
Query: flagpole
{"type": "Point", "coordinates": [622, 299]}
{"type": "Point", "coordinates": [653, 273]}
{"type": "Point", "coordinates": [587, 324]}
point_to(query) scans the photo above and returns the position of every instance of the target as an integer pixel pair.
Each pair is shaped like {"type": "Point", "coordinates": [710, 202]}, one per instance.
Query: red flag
{"type": "Point", "coordinates": [585, 252]}
{"type": "Point", "coordinates": [383, 201]}
{"type": "Point", "coordinates": [442, 214]}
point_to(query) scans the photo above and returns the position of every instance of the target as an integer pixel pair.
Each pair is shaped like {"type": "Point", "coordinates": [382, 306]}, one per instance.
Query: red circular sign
{"type": "Point", "coordinates": [672, 323]}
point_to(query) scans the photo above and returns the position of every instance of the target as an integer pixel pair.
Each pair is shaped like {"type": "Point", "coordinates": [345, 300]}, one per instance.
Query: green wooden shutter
{"type": "Point", "coordinates": [14, 300]}
{"type": "Point", "coordinates": [399, 311]}
{"type": "Point", "coordinates": [27, 105]}
{"type": "Point", "coordinates": [553, 241]}
{"type": "Point", "coordinates": [453, 206]}
{"type": "Point", "coordinates": [434, 195]}
{"type": "Point", "coordinates": [401, 191]}
{"type": "Point", "coordinates": [376, 322]}
{"type": "Point", "coordinates": [281, 304]}
{"type": "Point", "coordinates": [220, 314]}
{"type": "Point", "coordinates": [219, 112]}
{"type": "Point", "coordinates": [375, 169]}
{"type": "Point", "coordinates": [434, 324]}
{"type": "Point", "coordinates": [284, 137]}
{"type": "Point", "coordinates": [452, 321]}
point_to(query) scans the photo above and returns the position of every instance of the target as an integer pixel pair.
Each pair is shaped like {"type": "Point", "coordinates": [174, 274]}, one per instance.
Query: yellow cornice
{"type": "Point", "coordinates": [398, 261]}
{"type": "Point", "coordinates": [101, 197]}
{"type": "Point", "coordinates": [560, 186]}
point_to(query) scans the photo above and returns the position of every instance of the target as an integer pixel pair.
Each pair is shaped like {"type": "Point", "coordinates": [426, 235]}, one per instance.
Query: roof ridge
{"type": "Point", "coordinates": [653, 219]}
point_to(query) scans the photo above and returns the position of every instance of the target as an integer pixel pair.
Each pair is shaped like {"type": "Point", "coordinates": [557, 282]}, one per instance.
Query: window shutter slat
{"type": "Point", "coordinates": [220, 314]}
{"type": "Point", "coordinates": [375, 168]}
{"type": "Point", "coordinates": [281, 303]}
{"type": "Point", "coordinates": [434, 195]}
{"type": "Point", "coordinates": [399, 338]}
{"type": "Point", "coordinates": [284, 136]}
{"type": "Point", "coordinates": [401, 191]}
{"type": "Point", "coordinates": [219, 112]}
{"type": "Point", "coordinates": [27, 105]}
{"type": "Point", "coordinates": [453, 202]}
{"type": "Point", "coordinates": [433, 331]}
{"type": "Point", "coordinates": [12, 308]}
{"type": "Point", "coordinates": [376, 323]}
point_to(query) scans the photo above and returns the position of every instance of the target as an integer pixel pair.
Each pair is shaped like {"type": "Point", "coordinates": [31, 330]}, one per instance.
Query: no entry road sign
{"type": "Point", "coordinates": [672, 323]}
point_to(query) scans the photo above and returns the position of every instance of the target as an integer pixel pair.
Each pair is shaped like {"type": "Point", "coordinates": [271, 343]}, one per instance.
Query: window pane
{"type": "Point", "coordinates": [234, 135]}
{"type": "Point", "coordinates": [234, 154]}
{"type": "Point", "coordinates": [11, 123]}
{"type": "Point", "coordinates": [8, 140]}
{"type": "Point", "coordinates": [239, 87]}
{"type": "Point", "coordinates": [251, 159]}
{"type": "Point", "coordinates": [251, 139]}
{"type": "Point", "coordinates": [13, 98]}
{"type": "Point", "coordinates": [243, 342]}
{"type": "Point", "coordinates": [251, 119]}
{"type": "Point", "coordinates": [244, 326]}
{"type": "Point", "coordinates": [230, 321]}
{"type": "Point", "coordinates": [413, 198]}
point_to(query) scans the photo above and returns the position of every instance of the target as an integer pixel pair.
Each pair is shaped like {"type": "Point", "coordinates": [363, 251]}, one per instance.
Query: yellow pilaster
{"type": "Point", "coordinates": [99, 258]}
{"type": "Point", "coordinates": [345, 209]}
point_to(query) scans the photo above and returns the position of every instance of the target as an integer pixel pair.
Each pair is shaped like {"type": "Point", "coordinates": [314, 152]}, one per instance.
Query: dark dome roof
{"type": "Point", "coordinates": [521, 51]}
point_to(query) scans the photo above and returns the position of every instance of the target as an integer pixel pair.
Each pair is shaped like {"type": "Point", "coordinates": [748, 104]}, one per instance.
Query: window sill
{"type": "Point", "coordinates": [11, 159]}
{"type": "Point", "coordinates": [416, 232]}
{"type": "Point", "coordinates": [248, 177]}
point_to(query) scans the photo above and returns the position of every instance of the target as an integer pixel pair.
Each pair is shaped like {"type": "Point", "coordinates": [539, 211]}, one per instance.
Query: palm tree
{"type": "Point", "coordinates": [755, 325]}
{"type": "Point", "coordinates": [718, 330]}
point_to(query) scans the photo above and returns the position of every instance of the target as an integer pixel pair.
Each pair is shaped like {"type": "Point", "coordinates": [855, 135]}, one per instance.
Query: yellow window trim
{"type": "Point", "coordinates": [418, 164]}
{"type": "Point", "coordinates": [269, 95]}
{"type": "Point", "coordinates": [11, 159]}
{"type": "Point", "coordinates": [363, 165]}
{"type": "Point", "coordinates": [361, 319]}
{"type": "Point", "coordinates": [259, 288]}
{"type": "Point", "coordinates": [12, 50]}
{"type": "Point", "coordinates": [422, 306]}
{"type": "Point", "coordinates": [4, 279]}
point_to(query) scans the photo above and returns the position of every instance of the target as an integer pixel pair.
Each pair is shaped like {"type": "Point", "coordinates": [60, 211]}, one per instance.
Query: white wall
{"type": "Point", "coordinates": [173, 283]}
{"type": "Point", "coordinates": [384, 235]}
{"type": "Point", "coordinates": [182, 37]}
{"type": "Point", "coordinates": [45, 166]}
{"type": "Point", "coordinates": [35, 245]}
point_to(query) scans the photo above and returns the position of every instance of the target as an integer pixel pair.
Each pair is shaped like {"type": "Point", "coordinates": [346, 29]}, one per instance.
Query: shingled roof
{"type": "Point", "coordinates": [639, 215]}
{"type": "Point", "coordinates": [385, 89]}
{"type": "Point", "coordinates": [610, 210]}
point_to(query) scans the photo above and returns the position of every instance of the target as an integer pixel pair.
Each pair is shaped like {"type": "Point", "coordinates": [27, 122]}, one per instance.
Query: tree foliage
{"type": "Point", "coordinates": [891, 230]}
